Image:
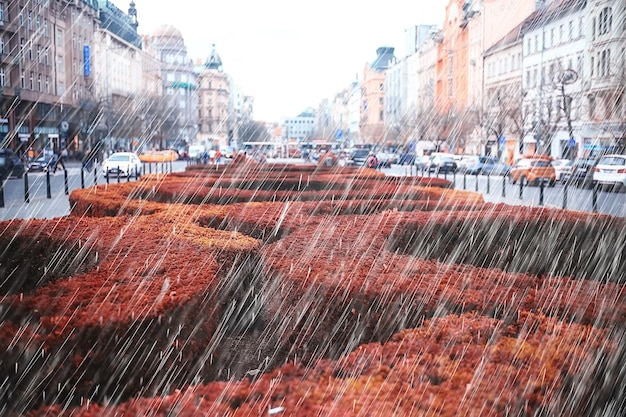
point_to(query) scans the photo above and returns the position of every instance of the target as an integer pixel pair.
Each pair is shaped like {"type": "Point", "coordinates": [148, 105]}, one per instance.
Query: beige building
{"type": "Point", "coordinates": [213, 103]}
{"type": "Point", "coordinates": [44, 77]}
{"type": "Point", "coordinates": [371, 126]}
{"type": "Point", "coordinates": [174, 119]}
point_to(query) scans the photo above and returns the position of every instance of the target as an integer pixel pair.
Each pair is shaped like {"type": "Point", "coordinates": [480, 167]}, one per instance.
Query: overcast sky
{"type": "Point", "coordinates": [289, 54]}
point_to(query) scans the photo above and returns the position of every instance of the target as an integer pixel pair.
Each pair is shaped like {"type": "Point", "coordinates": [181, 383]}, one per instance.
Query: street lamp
{"type": "Point", "coordinates": [568, 76]}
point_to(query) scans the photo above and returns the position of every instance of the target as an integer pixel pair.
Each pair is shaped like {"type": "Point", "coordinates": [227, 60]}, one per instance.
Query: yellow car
{"type": "Point", "coordinates": [158, 156]}
{"type": "Point", "coordinates": [532, 169]}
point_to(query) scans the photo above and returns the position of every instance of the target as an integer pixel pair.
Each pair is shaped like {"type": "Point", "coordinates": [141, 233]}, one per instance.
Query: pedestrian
{"type": "Point", "coordinates": [59, 160]}
{"type": "Point", "coordinates": [372, 162]}
{"type": "Point", "coordinates": [88, 159]}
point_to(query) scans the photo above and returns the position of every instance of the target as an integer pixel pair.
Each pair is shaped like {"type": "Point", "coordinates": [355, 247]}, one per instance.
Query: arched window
{"type": "Point", "coordinates": [605, 21]}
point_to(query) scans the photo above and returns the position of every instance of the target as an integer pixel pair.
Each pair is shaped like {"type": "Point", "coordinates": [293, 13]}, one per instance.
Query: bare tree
{"type": "Point", "coordinates": [253, 131]}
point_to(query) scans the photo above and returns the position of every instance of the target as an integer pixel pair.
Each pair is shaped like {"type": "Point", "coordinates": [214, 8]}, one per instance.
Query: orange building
{"type": "Point", "coordinates": [451, 87]}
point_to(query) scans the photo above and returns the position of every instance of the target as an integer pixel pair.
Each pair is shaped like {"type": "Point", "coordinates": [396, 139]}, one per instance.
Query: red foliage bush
{"type": "Point", "coordinates": [199, 275]}
{"type": "Point", "coordinates": [450, 366]}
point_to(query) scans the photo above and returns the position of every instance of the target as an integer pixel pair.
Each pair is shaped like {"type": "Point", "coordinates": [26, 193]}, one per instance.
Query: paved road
{"type": "Point", "coordinates": [559, 196]}
{"type": "Point", "coordinates": [39, 206]}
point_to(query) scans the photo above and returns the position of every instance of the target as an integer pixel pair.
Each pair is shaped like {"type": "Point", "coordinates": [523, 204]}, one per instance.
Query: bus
{"type": "Point", "coordinates": [270, 149]}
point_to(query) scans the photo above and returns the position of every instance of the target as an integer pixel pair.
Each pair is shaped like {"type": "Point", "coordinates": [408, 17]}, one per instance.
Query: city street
{"type": "Point", "coordinates": [492, 190]}
{"type": "Point", "coordinates": [40, 206]}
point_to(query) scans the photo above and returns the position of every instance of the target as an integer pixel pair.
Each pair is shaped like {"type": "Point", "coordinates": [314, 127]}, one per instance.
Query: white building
{"type": "Point", "coordinates": [406, 82]}
{"type": "Point", "coordinates": [299, 128]}
{"type": "Point", "coordinates": [354, 113]}
{"type": "Point", "coordinates": [554, 45]}
{"type": "Point", "coordinates": [603, 104]}
{"type": "Point", "coordinates": [504, 115]}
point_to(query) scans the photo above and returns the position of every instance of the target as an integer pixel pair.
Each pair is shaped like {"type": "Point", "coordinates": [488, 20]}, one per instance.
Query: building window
{"type": "Point", "coordinates": [38, 23]}
{"type": "Point", "coordinates": [59, 39]}
{"type": "Point", "coordinates": [30, 21]}
{"type": "Point", "coordinates": [605, 21]}
{"type": "Point", "coordinates": [46, 32]}
{"type": "Point", "coordinates": [381, 115]}
{"type": "Point", "coordinates": [39, 86]}
{"type": "Point", "coordinates": [23, 79]}
{"type": "Point", "coordinates": [604, 64]}
{"type": "Point", "coordinates": [20, 19]}
{"type": "Point", "coordinates": [571, 30]}
{"type": "Point", "coordinates": [581, 25]}
{"type": "Point", "coordinates": [561, 33]}
{"type": "Point", "coordinates": [3, 76]}
{"type": "Point", "coordinates": [592, 106]}
{"type": "Point", "coordinates": [593, 64]}
{"type": "Point", "coordinates": [2, 51]}
{"type": "Point", "coordinates": [2, 14]}
{"type": "Point", "coordinates": [32, 81]}
{"type": "Point", "coordinates": [579, 65]}
{"type": "Point", "coordinates": [47, 84]}
{"type": "Point", "coordinates": [39, 53]}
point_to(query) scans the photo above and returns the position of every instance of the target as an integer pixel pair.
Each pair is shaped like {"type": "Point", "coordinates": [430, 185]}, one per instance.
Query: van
{"type": "Point", "coordinates": [196, 151]}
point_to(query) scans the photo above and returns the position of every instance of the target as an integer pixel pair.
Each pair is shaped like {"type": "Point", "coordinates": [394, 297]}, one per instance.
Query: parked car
{"type": "Point", "coordinates": [227, 152]}
{"type": "Point", "coordinates": [465, 161]}
{"type": "Point", "coordinates": [122, 163]}
{"type": "Point", "coordinates": [385, 159]}
{"type": "Point", "coordinates": [611, 171]}
{"type": "Point", "coordinates": [358, 157]}
{"type": "Point", "coordinates": [444, 163]}
{"type": "Point", "coordinates": [581, 172]}
{"type": "Point", "coordinates": [43, 163]}
{"type": "Point", "coordinates": [10, 164]}
{"type": "Point", "coordinates": [562, 167]}
{"type": "Point", "coordinates": [159, 156]}
{"type": "Point", "coordinates": [488, 165]}
{"type": "Point", "coordinates": [532, 170]}
{"type": "Point", "coordinates": [407, 159]}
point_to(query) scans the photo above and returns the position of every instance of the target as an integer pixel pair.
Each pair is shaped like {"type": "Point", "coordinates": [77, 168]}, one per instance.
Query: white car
{"type": "Point", "coordinates": [123, 163]}
{"type": "Point", "coordinates": [563, 168]}
{"type": "Point", "coordinates": [611, 170]}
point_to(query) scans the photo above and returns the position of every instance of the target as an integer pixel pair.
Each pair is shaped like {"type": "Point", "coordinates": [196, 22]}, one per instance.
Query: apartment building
{"type": "Point", "coordinates": [213, 90]}
{"type": "Point", "coordinates": [45, 72]}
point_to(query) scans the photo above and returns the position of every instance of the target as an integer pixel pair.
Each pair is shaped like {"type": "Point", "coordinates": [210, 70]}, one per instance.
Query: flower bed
{"type": "Point", "coordinates": [450, 366]}
{"type": "Point", "coordinates": [206, 283]}
{"type": "Point", "coordinates": [135, 319]}
{"type": "Point", "coordinates": [371, 192]}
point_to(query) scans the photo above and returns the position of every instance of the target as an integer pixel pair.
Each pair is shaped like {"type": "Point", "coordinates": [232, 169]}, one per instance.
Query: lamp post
{"type": "Point", "coordinates": [568, 76]}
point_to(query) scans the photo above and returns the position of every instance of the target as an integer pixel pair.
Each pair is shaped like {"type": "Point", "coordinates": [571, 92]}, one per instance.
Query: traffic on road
{"type": "Point", "coordinates": [45, 195]}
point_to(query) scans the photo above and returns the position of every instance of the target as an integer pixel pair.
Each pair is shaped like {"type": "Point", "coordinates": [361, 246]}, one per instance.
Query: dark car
{"type": "Point", "coordinates": [581, 174]}
{"type": "Point", "coordinates": [442, 163]}
{"type": "Point", "coordinates": [10, 164]}
{"type": "Point", "coordinates": [487, 165]}
{"type": "Point", "coordinates": [43, 163]}
{"type": "Point", "coordinates": [385, 160]}
{"type": "Point", "coordinates": [407, 159]}
{"type": "Point", "coordinates": [358, 157]}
